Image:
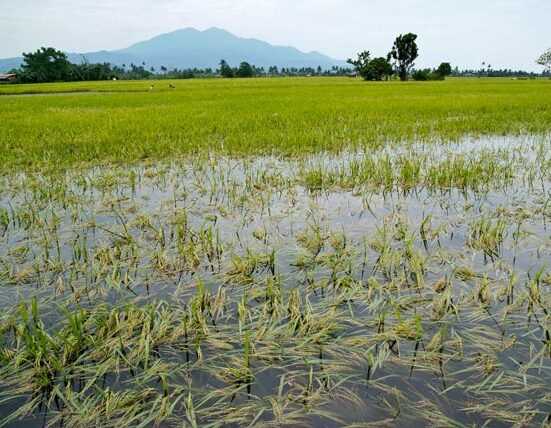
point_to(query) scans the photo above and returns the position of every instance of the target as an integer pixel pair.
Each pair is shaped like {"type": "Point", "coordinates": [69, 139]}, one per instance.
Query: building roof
{"type": "Point", "coordinates": [7, 76]}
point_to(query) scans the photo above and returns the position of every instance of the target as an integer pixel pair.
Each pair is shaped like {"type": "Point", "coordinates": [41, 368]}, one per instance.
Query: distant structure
{"type": "Point", "coordinates": [5, 78]}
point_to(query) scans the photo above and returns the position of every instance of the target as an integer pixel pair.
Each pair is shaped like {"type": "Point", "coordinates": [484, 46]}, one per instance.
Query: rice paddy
{"type": "Point", "coordinates": [315, 252]}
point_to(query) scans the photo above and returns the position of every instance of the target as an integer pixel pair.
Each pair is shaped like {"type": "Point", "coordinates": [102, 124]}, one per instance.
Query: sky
{"type": "Point", "coordinates": [503, 33]}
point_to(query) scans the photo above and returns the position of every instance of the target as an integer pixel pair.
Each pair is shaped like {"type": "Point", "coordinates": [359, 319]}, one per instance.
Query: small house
{"type": "Point", "coordinates": [6, 78]}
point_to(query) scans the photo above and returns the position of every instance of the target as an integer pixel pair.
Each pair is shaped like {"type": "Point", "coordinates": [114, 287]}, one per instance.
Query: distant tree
{"type": "Point", "coordinates": [378, 69]}
{"type": "Point", "coordinates": [545, 60]}
{"type": "Point", "coordinates": [163, 69]}
{"type": "Point", "coordinates": [86, 71]}
{"type": "Point", "coordinates": [422, 74]}
{"type": "Point", "coordinates": [439, 73]}
{"type": "Point", "coordinates": [245, 70]}
{"type": "Point", "coordinates": [45, 65]}
{"type": "Point", "coordinates": [404, 52]}
{"type": "Point", "coordinates": [443, 70]}
{"type": "Point", "coordinates": [483, 69]}
{"type": "Point", "coordinates": [371, 69]}
{"type": "Point", "coordinates": [225, 69]}
{"type": "Point", "coordinates": [361, 64]}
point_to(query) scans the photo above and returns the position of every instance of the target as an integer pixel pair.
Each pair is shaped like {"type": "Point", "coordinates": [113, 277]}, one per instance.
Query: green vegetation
{"type": "Point", "coordinates": [276, 252]}
{"type": "Point", "coordinates": [372, 69]}
{"type": "Point", "coordinates": [254, 117]}
{"type": "Point", "coordinates": [545, 60]}
{"type": "Point", "coordinates": [45, 65]}
{"type": "Point", "coordinates": [439, 73]}
{"type": "Point", "coordinates": [48, 65]}
{"type": "Point", "coordinates": [404, 52]}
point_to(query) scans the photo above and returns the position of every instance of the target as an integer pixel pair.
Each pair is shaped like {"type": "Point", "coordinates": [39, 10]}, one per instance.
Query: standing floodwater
{"type": "Point", "coordinates": [396, 287]}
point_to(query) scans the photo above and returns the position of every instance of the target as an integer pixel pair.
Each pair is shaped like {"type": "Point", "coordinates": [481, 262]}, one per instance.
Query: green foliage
{"type": "Point", "coordinates": [379, 69]}
{"type": "Point", "coordinates": [545, 60]}
{"type": "Point", "coordinates": [45, 65]}
{"type": "Point", "coordinates": [404, 52]}
{"type": "Point", "coordinates": [422, 74]}
{"type": "Point", "coordinates": [444, 69]}
{"type": "Point", "coordinates": [439, 73]}
{"type": "Point", "coordinates": [92, 72]}
{"type": "Point", "coordinates": [361, 64]}
{"type": "Point", "coordinates": [371, 69]}
{"type": "Point", "coordinates": [225, 69]}
{"type": "Point", "coordinates": [245, 70]}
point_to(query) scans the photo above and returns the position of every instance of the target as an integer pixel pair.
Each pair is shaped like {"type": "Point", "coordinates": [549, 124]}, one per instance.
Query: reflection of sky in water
{"type": "Point", "coordinates": [252, 205]}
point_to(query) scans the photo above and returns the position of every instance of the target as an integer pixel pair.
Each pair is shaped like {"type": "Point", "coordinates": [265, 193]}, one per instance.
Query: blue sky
{"type": "Point", "coordinates": [504, 33]}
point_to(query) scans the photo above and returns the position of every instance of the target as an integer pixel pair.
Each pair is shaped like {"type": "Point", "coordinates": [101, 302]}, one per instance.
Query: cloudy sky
{"type": "Point", "coordinates": [504, 33]}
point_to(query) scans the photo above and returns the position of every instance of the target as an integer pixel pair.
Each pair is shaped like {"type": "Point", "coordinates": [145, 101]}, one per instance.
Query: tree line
{"type": "Point", "coordinates": [52, 65]}
{"type": "Point", "coordinates": [400, 62]}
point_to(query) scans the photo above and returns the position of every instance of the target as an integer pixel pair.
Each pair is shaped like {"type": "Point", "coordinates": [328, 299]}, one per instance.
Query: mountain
{"type": "Point", "coordinates": [189, 48]}
{"type": "Point", "coordinates": [9, 63]}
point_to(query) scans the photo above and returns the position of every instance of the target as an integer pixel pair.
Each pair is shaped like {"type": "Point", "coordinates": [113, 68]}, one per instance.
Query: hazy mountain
{"type": "Point", "coordinates": [191, 48]}
{"type": "Point", "coordinates": [9, 63]}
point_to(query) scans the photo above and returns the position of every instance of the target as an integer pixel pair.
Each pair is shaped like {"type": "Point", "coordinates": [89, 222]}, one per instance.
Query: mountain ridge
{"type": "Point", "coordinates": [192, 48]}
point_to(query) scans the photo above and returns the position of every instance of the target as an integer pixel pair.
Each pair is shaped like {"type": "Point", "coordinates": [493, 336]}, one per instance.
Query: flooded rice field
{"type": "Point", "coordinates": [403, 287]}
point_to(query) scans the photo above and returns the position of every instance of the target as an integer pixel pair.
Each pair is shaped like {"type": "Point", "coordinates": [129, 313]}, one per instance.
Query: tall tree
{"type": "Point", "coordinates": [404, 52]}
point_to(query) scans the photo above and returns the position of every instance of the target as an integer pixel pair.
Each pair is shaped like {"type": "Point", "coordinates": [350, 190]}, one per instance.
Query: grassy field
{"type": "Point", "coordinates": [260, 116]}
{"type": "Point", "coordinates": [276, 252]}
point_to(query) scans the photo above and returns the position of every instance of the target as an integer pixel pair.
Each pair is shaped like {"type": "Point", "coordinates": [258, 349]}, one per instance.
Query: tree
{"type": "Point", "coordinates": [378, 69]}
{"type": "Point", "coordinates": [361, 64]}
{"type": "Point", "coordinates": [443, 70]}
{"type": "Point", "coordinates": [404, 52]}
{"type": "Point", "coordinates": [45, 65]}
{"type": "Point", "coordinates": [423, 74]}
{"type": "Point", "coordinates": [371, 69]}
{"type": "Point", "coordinates": [545, 60]}
{"type": "Point", "coordinates": [225, 69]}
{"type": "Point", "coordinates": [245, 70]}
